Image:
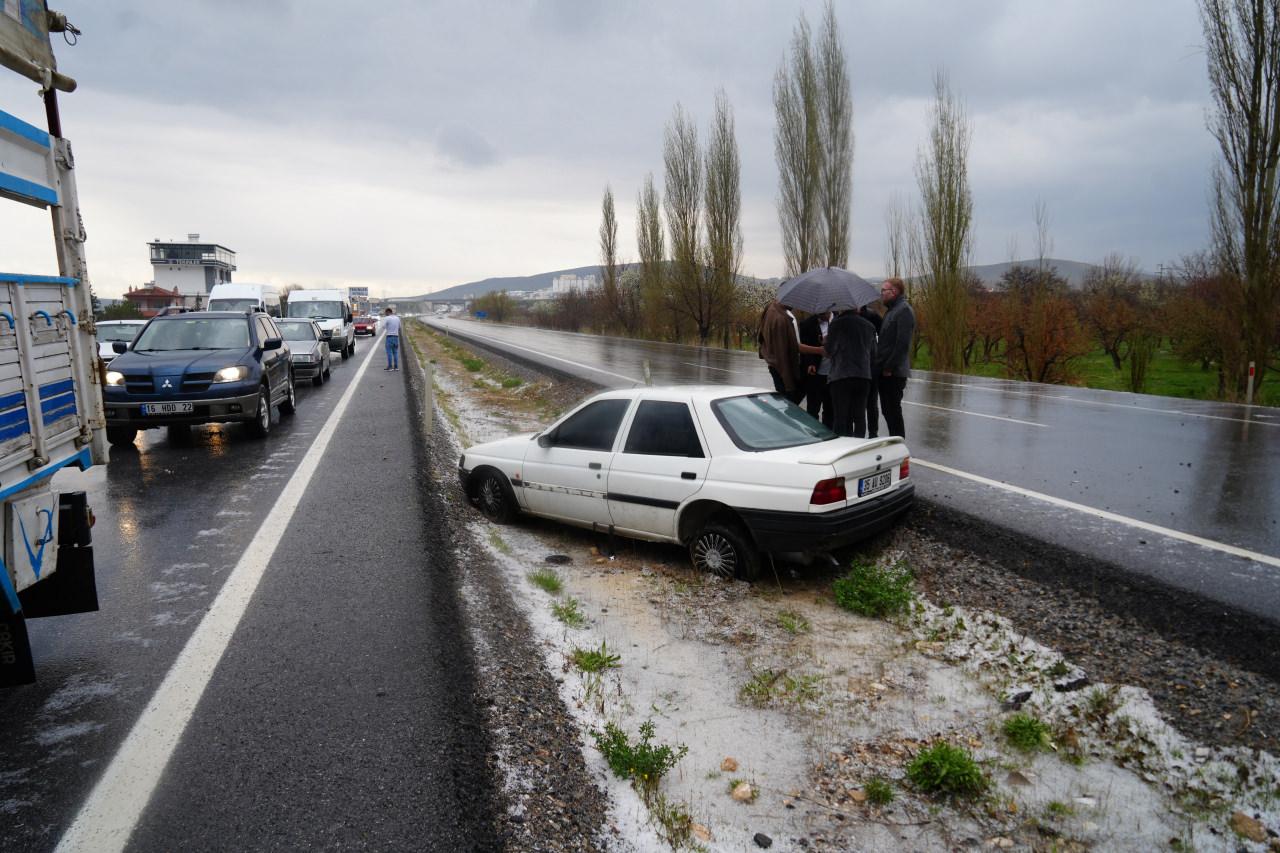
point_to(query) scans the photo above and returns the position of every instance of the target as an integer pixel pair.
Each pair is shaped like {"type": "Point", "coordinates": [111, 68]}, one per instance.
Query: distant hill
{"type": "Point", "coordinates": [1073, 271]}
{"type": "Point", "coordinates": [539, 281]}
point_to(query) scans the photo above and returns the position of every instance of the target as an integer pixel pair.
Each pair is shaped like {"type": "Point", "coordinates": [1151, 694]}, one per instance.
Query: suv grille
{"type": "Point", "coordinates": [197, 381]}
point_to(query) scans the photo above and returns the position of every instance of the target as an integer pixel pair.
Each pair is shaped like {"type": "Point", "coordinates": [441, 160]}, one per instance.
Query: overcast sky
{"type": "Point", "coordinates": [411, 146]}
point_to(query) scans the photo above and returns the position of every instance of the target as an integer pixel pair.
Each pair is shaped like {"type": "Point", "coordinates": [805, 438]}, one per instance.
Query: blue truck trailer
{"type": "Point", "coordinates": [50, 379]}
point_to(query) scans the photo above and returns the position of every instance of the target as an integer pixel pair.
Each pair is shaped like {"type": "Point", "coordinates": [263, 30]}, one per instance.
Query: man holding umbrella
{"type": "Point", "coordinates": [893, 353]}
{"type": "Point", "coordinates": [816, 292]}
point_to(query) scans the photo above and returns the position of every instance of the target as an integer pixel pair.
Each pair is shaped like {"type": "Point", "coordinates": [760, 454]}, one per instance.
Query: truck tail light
{"type": "Point", "coordinates": [904, 470]}
{"type": "Point", "coordinates": [829, 492]}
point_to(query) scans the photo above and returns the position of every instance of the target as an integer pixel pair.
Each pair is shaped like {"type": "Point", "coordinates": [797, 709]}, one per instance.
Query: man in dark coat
{"type": "Point", "coordinates": [893, 353]}
{"type": "Point", "coordinates": [851, 344]}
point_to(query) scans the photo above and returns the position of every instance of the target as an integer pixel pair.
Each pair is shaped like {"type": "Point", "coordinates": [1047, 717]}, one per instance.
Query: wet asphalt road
{"type": "Point", "coordinates": [340, 714]}
{"type": "Point", "coordinates": [1201, 468]}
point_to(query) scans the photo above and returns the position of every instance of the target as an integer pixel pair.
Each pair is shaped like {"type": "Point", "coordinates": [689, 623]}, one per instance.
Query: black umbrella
{"type": "Point", "coordinates": [827, 289]}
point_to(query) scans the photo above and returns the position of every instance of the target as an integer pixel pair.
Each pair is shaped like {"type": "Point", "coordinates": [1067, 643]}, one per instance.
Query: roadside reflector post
{"type": "Point", "coordinates": [648, 376]}
{"type": "Point", "coordinates": [1248, 391]}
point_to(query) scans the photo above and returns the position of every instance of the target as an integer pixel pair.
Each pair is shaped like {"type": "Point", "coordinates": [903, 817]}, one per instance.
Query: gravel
{"type": "Point", "coordinates": [1208, 698]}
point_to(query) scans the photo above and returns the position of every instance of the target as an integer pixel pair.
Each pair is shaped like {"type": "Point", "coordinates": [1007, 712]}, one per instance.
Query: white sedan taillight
{"type": "Point", "coordinates": [829, 492]}
{"type": "Point", "coordinates": [904, 470]}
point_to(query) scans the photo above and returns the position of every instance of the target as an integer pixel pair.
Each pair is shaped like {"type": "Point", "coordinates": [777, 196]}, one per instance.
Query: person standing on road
{"type": "Point", "coordinates": [391, 324]}
{"type": "Point", "coordinates": [851, 343]}
{"type": "Point", "coordinates": [893, 353]}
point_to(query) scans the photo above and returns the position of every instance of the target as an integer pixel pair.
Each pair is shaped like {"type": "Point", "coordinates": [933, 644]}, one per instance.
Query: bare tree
{"type": "Point", "coordinates": [835, 126]}
{"type": "Point", "coordinates": [1112, 308]}
{"type": "Point", "coordinates": [652, 248]}
{"type": "Point", "coordinates": [609, 260]}
{"type": "Point", "coordinates": [946, 220]}
{"type": "Point", "coordinates": [1242, 45]}
{"type": "Point", "coordinates": [1044, 240]}
{"type": "Point", "coordinates": [683, 162]}
{"type": "Point", "coordinates": [798, 150]}
{"type": "Point", "coordinates": [898, 228]}
{"type": "Point", "coordinates": [723, 212]}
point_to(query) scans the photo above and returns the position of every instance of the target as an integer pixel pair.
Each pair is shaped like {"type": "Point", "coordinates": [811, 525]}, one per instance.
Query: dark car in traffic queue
{"type": "Point", "coordinates": [199, 367]}
{"type": "Point", "coordinates": [309, 350]}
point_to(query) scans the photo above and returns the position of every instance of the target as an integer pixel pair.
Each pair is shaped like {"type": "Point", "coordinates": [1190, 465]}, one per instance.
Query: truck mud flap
{"type": "Point", "coordinates": [71, 588]}
{"type": "Point", "coordinates": [16, 666]}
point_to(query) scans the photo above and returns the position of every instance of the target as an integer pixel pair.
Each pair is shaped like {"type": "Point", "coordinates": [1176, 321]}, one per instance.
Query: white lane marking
{"type": "Point", "coordinates": [1108, 516]}
{"type": "Point", "coordinates": [975, 414]}
{"type": "Point", "coordinates": [552, 357]}
{"type": "Point", "coordinates": [707, 366]}
{"type": "Point", "coordinates": [1127, 406]}
{"type": "Point", "coordinates": [108, 816]}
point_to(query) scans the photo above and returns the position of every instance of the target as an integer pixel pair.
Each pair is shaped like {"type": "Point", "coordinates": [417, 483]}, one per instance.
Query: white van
{"type": "Point", "coordinates": [245, 297]}
{"type": "Point", "coordinates": [332, 313]}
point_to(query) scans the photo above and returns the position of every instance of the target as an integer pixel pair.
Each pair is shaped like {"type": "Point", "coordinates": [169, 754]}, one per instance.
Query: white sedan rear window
{"type": "Point", "coordinates": [768, 422]}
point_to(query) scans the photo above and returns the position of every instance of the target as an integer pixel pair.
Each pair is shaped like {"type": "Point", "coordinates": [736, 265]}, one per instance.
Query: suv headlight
{"type": "Point", "coordinates": [115, 377]}
{"type": "Point", "coordinates": [231, 374]}
{"type": "Point", "coordinates": [303, 357]}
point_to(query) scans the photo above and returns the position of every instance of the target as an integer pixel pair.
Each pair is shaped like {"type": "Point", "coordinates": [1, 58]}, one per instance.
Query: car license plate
{"type": "Point", "coordinates": [875, 483]}
{"type": "Point", "coordinates": [174, 409]}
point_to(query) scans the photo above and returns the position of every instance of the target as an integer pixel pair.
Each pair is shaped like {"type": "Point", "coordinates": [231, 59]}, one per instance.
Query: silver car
{"type": "Point", "coordinates": [310, 352]}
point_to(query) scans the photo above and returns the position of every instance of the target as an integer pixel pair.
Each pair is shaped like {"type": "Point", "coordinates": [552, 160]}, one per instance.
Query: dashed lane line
{"type": "Point", "coordinates": [108, 816]}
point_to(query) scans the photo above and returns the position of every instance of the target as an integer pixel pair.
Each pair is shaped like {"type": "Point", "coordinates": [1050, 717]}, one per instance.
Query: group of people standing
{"type": "Point", "coordinates": [847, 367]}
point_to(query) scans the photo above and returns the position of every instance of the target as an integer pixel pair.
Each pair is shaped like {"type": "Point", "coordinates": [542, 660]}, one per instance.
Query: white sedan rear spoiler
{"type": "Point", "coordinates": [833, 455]}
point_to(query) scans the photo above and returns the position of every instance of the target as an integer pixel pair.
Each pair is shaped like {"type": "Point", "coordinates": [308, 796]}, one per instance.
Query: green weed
{"type": "Point", "coordinates": [873, 590]}
{"type": "Point", "coordinates": [472, 364]}
{"type": "Point", "coordinates": [499, 544]}
{"type": "Point", "coordinates": [569, 612]}
{"type": "Point", "coordinates": [1058, 670]}
{"type": "Point", "coordinates": [594, 660]}
{"type": "Point", "coordinates": [1026, 732]}
{"type": "Point", "coordinates": [759, 688]}
{"type": "Point", "coordinates": [643, 762]}
{"type": "Point", "coordinates": [879, 791]}
{"type": "Point", "coordinates": [512, 382]}
{"type": "Point", "coordinates": [947, 770]}
{"type": "Point", "coordinates": [546, 580]}
{"type": "Point", "coordinates": [792, 622]}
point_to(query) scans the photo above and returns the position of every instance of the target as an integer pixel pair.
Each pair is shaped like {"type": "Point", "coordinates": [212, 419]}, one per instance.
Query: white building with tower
{"type": "Point", "coordinates": [192, 268]}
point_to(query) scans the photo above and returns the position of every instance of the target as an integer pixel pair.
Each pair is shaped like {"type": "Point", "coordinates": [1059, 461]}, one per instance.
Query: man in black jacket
{"type": "Point", "coordinates": [813, 331]}
{"type": "Point", "coordinates": [893, 353]}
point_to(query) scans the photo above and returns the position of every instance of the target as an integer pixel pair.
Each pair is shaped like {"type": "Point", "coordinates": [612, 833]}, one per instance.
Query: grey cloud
{"type": "Point", "coordinates": [463, 146]}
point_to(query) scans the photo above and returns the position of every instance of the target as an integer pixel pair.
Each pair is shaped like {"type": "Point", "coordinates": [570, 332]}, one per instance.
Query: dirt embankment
{"type": "Point", "coordinates": [1148, 741]}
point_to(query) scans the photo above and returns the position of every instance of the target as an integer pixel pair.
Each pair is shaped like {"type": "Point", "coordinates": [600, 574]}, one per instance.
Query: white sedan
{"type": "Point", "coordinates": [732, 473]}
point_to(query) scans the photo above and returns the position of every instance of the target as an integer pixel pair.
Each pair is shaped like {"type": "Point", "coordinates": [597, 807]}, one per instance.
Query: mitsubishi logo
{"type": "Point", "coordinates": [167, 384]}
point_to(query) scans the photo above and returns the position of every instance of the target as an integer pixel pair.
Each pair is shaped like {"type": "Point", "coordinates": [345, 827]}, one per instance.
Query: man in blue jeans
{"type": "Point", "coordinates": [391, 325]}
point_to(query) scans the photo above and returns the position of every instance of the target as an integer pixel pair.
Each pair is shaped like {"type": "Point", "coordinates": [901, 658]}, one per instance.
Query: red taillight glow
{"type": "Point", "coordinates": [829, 492]}
{"type": "Point", "coordinates": [904, 470]}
